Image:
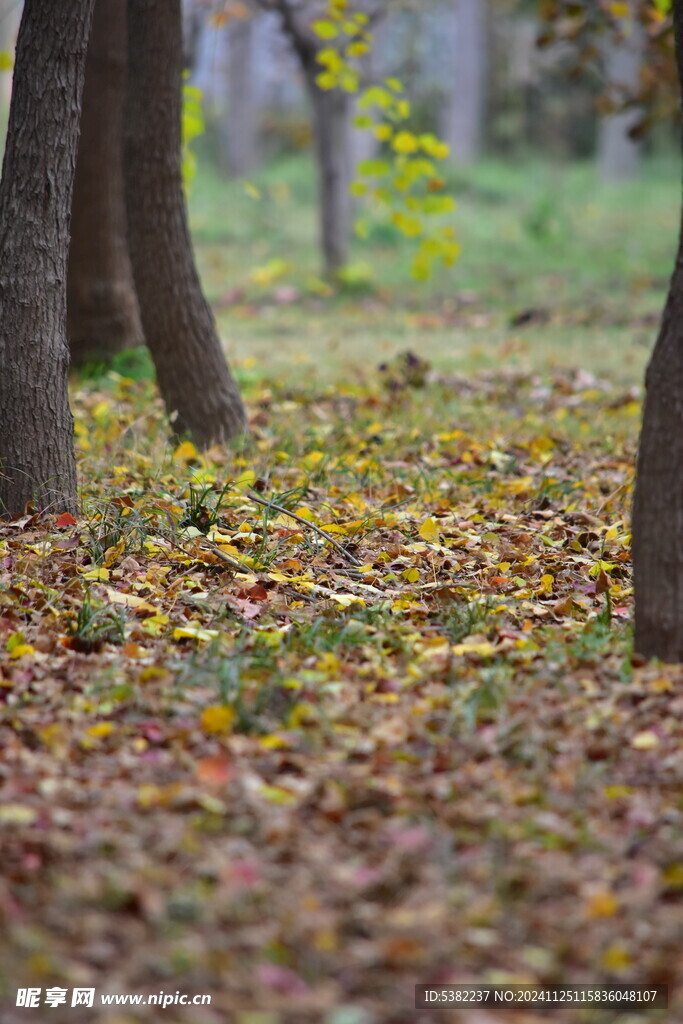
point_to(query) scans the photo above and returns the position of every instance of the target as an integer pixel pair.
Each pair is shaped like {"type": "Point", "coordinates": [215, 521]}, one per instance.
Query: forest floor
{"type": "Point", "coordinates": [348, 707]}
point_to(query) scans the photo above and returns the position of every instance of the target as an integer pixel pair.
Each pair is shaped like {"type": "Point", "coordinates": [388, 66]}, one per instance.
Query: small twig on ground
{"type": "Point", "coordinates": [304, 522]}
{"type": "Point", "coordinates": [236, 564]}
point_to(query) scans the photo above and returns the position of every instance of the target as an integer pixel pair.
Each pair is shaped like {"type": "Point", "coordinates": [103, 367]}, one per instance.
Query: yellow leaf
{"type": "Point", "coordinates": [194, 631]}
{"type": "Point", "coordinates": [20, 650]}
{"type": "Point", "coordinates": [673, 876]}
{"type": "Point", "coordinates": [410, 575]}
{"type": "Point", "coordinates": [324, 29]}
{"type": "Point", "coordinates": [329, 662]}
{"type": "Point", "coordinates": [96, 574]}
{"type": "Point", "coordinates": [616, 791]}
{"type": "Point", "coordinates": [155, 624]}
{"type": "Point", "coordinates": [405, 143]}
{"type": "Point", "coordinates": [17, 814]}
{"type": "Point", "coordinates": [646, 740]}
{"type": "Point", "coordinates": [616, 957]}
{"type": "Point", "coordinates": [429, 530]}
{"type": "Point", "coordinates": [185, 452]}
{"type": "Point", "coordinates": [546, 584]}
{"type": "Point", "coordinates": [483, 650]}
{"type": "Point", "coordinates": [326, 80]}
{"type": "Point", "coordinates": [602, 904]}
{"type": "Point", "coordinates": [313, 459]}
{"type": "Point", "coordinates": [269, 272]}
{"type": "Point", "coordinates": [245, 480]}
{"type": "Point", "coordinates": [273, 742]}
{"type": "Point", "coordinates": [129, 600]}
{"type": "Point", "coordinates": [217, 718]}
{"type": "Point", "coordinates": [6, 60]}
{"type": "Point", "coordinates": [276, 794]}
{"type": "Point", "coordinates": [346, 599]}
{"type": "Point", "coordinates": [101, 729]}
{"type": "Point", "coordinates": [112, 553]}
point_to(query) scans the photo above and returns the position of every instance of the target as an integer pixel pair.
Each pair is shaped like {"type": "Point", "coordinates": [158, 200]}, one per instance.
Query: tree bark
{"type": "Point", "coordinates": [36, 426]}
{"type": "Point", "coordinates": [199, 392]}
{"type": "Point", "coordinates": [102, 307]}
{"type": "Point", "coordinates": [466, 110]}
{"type": "Point", "coordinates": [618, 153]}
{"type": "Point", "coordinates": [239, 119]}
{"type": "Point", "coordinates": [658, 498]}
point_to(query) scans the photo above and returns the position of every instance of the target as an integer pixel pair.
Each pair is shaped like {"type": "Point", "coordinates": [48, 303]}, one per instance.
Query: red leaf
{"type": "Point", "coordinates": [66, 519]}
{"type": "Point", "coordinates": [214, 771]}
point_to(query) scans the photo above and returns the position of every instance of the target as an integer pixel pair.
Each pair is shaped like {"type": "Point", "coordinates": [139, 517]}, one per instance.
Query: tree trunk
{"type": "Point", "coordinates": [239, 117]}
{"type": "Point", "coordinates": [195, 382]}
{"type": "Point", "coordinates": [332, 146]}
{"type": "Point", "coordinates": [658, 497]}
{"type": "Point", "coordinates": [618, 153]}
{"type": "Point", "coordinates": [102, 307]}
{"type": "Point", "coordinates": [466, 109]}
{"type": "Point", "coordinates": [36, 429]}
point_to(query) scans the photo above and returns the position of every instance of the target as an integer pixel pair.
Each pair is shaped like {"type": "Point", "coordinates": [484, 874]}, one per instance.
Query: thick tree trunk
{"type": "Point", "coordinates": [465, 116]}
{"type": "Point", "coordinates": [36, 427]}
{"type": "Point", "coordinates": [195, 382]}
{"type": "Point", "coordinates": [618, 153]}
{"type": "Point", "coordinates": [658, 498]}
{"type": "Point", "coordinates": [102, 307]}
{"type": "Point", "coordinates": [333, 155]}
{"type": "Point", "coordinates": [239, 119]}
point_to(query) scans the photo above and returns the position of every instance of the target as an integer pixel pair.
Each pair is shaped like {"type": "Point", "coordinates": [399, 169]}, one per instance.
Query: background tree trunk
{"type": "Point", "coordinates": [9, 23]}
{"type": "Point", "coordinates": [102, 307]}
{"type": "Point", "coordinates": [238, 125]}
{"type": "Point", "coordinates": [333, 155]}
{"type": "Point", "coordinates": [36, 426]}
{"type": "Point", "coordinates": [200, 395]}
{"type": "Point", "coordinates": [618, 153]}
{"type": "Point", "coordinates": [464, 119]}
{"type": "Point", "coordinates": [331, 111]}
{"type": "Point", "coordinates": [658, 498]}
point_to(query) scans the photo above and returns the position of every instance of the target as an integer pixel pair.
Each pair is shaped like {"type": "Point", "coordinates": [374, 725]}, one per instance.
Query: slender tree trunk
{"type": "Point", "coordinates": [239, 119]}
{"type": "Point", "coordinates": [658, 498]}
{"type": "Point", "coordinates": [618, 153]}
{"type": "Point", "coordinates": [465, 114]}
{"type": "Point", "coordinates": [195, 382]}
{"type": "Point", "coordinates": [332, 144]}
{"type": "Point", "coordinates": [102, 307]}
{"type": "Point", "coordinates": [36, 427]}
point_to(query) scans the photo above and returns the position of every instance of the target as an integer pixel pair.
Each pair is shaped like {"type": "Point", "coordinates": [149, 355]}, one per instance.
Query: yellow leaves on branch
{"type": "Point", "coordinates": [409, 195]}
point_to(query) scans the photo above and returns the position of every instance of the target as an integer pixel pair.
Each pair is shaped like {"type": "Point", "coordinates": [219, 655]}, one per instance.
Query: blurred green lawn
{"type": "Point", "coordinates": [589, 262]}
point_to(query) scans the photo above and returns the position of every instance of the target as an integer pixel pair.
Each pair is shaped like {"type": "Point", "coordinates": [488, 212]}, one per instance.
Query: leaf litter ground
{"type": "Point", "coordinates": [350, 708]}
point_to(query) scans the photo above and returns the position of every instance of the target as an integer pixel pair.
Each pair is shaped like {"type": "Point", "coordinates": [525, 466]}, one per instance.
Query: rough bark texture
{"type": "Point", "coordinates": [195, 382]}
{"type": "Point", "coordinates": [102, 307]}
{"type": "Point", "coordinates": [658, 498]}
{"type": "Point", "coordinates": [36, 427]}
{"type": "Point", "coordinates": [466, 111]}
{"type": "Point", "coordinates": [239, 121]}
{"type": "Point", "coordinates": [618, 153]}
